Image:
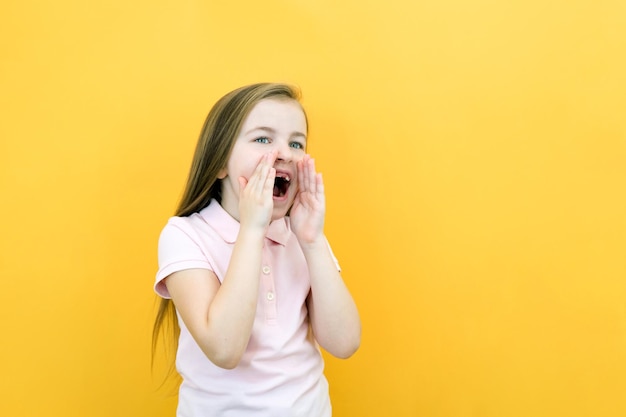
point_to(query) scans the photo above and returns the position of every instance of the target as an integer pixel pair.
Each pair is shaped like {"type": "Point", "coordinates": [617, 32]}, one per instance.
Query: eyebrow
{"type": "Point", "coordinates": [273, 131]}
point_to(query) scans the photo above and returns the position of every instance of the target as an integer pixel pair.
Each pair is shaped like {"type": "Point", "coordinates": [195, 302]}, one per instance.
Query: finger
{"type": "Point", "coordinates": [260, 174]}
{"type": "Point", "coordinates": [272, 156]}
{"type": "Point", "coordinates": [301, 183]}
{"type": "Point", "coordinates": [268, 186]}
{"type": "Point", "coordinates": [319, 183]}
{"type": "Point", "coordinates": [311, 177]}
{"type": "Point", "coordinates": [270, 173]}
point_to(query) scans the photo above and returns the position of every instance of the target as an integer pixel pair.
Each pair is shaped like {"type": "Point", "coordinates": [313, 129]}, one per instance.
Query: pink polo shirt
{"type": "Point", "coordinates": [281, 371]}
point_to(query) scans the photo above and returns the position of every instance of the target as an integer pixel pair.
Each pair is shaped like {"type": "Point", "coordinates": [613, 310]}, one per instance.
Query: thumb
{"type": "Point", "coordinates": [242, 184]}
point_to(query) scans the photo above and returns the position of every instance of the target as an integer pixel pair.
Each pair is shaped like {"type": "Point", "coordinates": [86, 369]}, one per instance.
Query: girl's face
{"type": "Point", "coordinates": [273, 125]}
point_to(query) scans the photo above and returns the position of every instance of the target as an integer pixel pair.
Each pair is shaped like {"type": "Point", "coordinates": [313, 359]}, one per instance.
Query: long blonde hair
{"type": "Point", "coordinates": [215, 144]}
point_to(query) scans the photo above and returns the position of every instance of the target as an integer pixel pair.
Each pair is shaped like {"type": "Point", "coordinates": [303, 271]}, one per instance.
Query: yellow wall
{"type": "Point", "coordinates": [475, 160]}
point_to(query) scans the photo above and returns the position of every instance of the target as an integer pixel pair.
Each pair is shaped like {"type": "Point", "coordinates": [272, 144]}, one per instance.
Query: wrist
{"type": "Point", "coordinates": [316, 243]}
{"type": "Point", "coordinates": [251, 232]}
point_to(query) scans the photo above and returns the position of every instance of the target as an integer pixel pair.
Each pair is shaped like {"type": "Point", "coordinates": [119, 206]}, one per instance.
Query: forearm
{"type": "Point", "coordinates": [232, 311]}
{"type": "Point", "coordinates": [334, 316]}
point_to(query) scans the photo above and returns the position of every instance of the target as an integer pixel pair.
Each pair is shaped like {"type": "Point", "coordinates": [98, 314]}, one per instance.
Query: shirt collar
{"type": "Point", "coordinates": [228, 228]}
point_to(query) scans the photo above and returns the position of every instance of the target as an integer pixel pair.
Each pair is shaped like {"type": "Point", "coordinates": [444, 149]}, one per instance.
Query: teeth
{"type": "Point", "coordinates": [284, 177]}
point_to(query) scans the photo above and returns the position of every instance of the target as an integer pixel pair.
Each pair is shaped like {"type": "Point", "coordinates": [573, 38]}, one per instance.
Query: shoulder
{"type": "Point", "coordinates": [180, 228]}
{"type": "Point", "coordinates": [191, 222]}
{"type": "Point", "coordinates": [205, 222]}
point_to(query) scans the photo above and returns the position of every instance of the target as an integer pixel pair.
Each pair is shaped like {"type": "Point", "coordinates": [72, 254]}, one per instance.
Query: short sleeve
{"type": "Point", "coordinates": [178, 250]}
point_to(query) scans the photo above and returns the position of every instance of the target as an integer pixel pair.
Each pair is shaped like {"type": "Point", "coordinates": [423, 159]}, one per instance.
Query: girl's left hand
{"type": "Point", "coordinates": [309, 206]}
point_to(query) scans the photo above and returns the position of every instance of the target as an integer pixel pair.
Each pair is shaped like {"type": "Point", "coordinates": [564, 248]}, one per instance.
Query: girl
{"type": "Point", "coordinates": [254, 283]}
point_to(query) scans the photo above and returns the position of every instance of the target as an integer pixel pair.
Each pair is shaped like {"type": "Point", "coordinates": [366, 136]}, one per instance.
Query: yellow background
{"type": "Point", "coordinates": [474, 157]}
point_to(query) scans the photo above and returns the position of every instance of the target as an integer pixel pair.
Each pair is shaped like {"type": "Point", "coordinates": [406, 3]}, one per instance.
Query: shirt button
{"type": "Point", "coordinates": [270, 296]}
{"type": "Point", "coordinates": [266, 270]}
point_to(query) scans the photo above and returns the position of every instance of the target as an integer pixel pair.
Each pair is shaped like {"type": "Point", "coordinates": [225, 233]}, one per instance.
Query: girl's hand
{"type": "Point", "coordinates": [309, 207]}
{"type": "Point", "coordinates": [256, 194]}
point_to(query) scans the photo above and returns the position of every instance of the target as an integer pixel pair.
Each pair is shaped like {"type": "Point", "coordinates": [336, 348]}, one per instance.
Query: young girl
{"type": "Point", "coordinates": [254, 283]}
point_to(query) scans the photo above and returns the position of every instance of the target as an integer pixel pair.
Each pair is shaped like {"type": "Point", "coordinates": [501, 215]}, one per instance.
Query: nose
{"type": "Point", "coordinates": [285, 153]}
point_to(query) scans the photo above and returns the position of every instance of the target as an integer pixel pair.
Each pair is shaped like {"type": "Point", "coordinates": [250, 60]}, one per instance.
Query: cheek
{"type": "Point", "coordinates": [299, 155]}
{"type": "Point", "coordinates": [242, 168]}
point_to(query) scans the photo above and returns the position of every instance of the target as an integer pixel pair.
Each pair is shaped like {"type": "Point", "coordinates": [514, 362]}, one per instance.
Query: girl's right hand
{"type": "Point", "coordinates": [256, 195]}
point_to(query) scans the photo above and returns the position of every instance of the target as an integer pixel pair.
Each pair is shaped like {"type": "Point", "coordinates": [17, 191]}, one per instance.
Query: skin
{"type": "Point", "coordinates": [220, 316]}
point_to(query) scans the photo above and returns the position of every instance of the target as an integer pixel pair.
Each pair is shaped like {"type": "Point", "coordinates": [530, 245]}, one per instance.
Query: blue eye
{"type": "Point", "coordinates": [262, 139]}
{"type": "Point", "coordinates": [296, 145]}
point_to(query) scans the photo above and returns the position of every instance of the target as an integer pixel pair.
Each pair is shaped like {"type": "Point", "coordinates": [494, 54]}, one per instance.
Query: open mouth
{"type": "Point", "coordinates": [281, 185]}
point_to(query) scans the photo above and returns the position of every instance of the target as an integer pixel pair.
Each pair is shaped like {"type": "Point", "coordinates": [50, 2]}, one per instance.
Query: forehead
{"type": "Point", "coordinates": [279, 114]}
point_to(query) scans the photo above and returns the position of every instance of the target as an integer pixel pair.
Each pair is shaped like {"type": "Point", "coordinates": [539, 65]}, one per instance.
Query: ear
{"type": "Point", "coordinates": [222, 174]}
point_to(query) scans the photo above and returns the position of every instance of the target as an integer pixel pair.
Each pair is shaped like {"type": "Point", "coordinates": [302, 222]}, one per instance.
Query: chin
{"type": "Point", "coordinates": [281, 210]}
